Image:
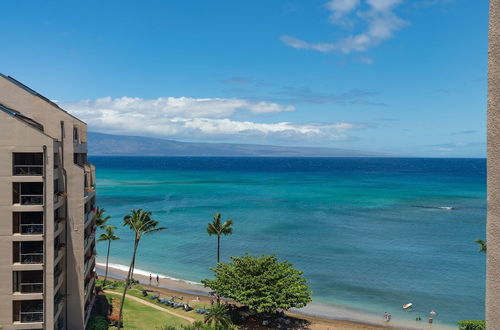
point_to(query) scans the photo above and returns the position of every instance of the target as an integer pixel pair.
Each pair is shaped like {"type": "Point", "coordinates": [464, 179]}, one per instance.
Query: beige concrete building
{"type": "Point", "coordinates": [47, 214]}
{"type": "Point", "coordinates": [493, 228]}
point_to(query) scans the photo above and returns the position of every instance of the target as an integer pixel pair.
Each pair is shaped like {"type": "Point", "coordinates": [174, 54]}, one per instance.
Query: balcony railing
{"type": "Point", "coordinates": [31, 316]}
{"type": "Point", "coordinates": [31, 229]}
{"type": "Point", "coordinates": [30, 287]}
{"type": "Point", "coordinates": [88, 240]}
{"type": "Point", "coordinates": [31, 199]}
{"type": "Point", "coordinates": [28, 170]}
{"type": "Point", "coordinates": [31, 258]}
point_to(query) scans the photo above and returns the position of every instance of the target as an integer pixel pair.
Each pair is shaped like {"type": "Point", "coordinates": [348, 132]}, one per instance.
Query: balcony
{"type": "Point", "coordinates": [28, 311]}
{"type": "Point", "coordinates": [90, 215]}
{"type": "Point", "coordinates": [28, 223]}
{"type": "Point", "coordinates": [89, 179]}
{"type": "Point", "coordinates": [27, 193]}
{"type": "Point", "coordinates": [28, 281]}
{"type": "Point", "coordinates": [30, 252]}
{"type": "Point", "coordinates": [58, 304]}
{"type": "Point", "coordinates": [58, 252]}
{"type": "Point", "coordinates": [89, 265]}
{"type": "Point", "coordinates": [58, 279]}
{"type": "Point", "coordinates": [89, 287]}
{"type": "Point", "coordinates": [80, 147]}
{"type": "Point", "coordinates": [28, 164]}
{"type": "Point", "coordinates": [88, 240]}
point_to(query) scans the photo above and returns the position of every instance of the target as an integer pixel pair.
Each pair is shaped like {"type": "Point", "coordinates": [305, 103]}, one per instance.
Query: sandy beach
{"type": "Point", "coordinates": [192, 292]}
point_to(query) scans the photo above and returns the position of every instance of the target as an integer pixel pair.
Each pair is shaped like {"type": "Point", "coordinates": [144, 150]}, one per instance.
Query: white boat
{"type": "Point", "coordinates": [408, 305]}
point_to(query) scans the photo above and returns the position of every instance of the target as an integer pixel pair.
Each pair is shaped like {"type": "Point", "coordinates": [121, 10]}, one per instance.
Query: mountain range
{"type": "Point", "coordinates": [100, 144]}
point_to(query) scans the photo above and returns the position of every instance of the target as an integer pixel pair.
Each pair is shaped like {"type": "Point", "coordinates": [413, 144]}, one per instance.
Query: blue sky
{"type": "Point", "coordinates": [395, 76]}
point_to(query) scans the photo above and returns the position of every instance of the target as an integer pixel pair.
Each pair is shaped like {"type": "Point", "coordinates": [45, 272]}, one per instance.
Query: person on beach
{"type": "Point", "coordinates": [150, 279]}
{"type": "Point", "coordinates": [157, 280]}
{"type": "Point", "coordinates": [389, 317]}
{"type": "Point", "coordinates": [385, 316]}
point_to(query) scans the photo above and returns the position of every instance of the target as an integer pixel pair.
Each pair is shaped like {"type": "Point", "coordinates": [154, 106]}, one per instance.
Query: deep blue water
{"type": "Point", "coordinates": [367, 232]}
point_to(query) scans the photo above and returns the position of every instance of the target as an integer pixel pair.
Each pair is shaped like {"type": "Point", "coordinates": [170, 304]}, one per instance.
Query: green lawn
{"type": "Point", "coordinates": [136, 291]}
{"type": "Point", "coordinates": [139, 316]}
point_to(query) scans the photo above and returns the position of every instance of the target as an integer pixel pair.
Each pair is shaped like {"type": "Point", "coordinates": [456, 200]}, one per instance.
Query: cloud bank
{"type": "Point", "coordinates": [377, 16]}
{"type": "Point", "coordinates": [202, 119]}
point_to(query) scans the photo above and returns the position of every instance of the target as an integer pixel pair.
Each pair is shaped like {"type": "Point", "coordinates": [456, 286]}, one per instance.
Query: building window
{"type": "Point", "coordinates": [27, 193]}
{"type": "Point", "coordinates": [28, 223]}
{"type": "Point", "coordinates": [28, 311]}
{"type": "Point", "coordinates": [75, 135]}
{"type": "Point", "coordinates": [28, 281]}
{"type": "Point", "coordinates": [28, 163]}
{"type": "Point", "coordinates": [28, 252]}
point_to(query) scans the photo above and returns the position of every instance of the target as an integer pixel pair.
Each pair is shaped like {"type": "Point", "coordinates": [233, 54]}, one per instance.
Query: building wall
{"type": "Point", "coordinates": [16, 136]}
{"type": "Point", "coordinates": [493, 227]}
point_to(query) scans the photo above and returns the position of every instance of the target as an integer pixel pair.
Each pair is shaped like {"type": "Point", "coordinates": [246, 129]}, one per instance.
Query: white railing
{"type": "Point", "coordinates": [31, 316]}
{"type": "Point", "coordinates": [30, 287]}
{"type": "Point", "coordinates": [31, 229]}
{"type": "Point", "coordinates": [28, 170]}
{"type": "Point", "coordinates": [31, 199]}
{"type": "Point", "coordinates": [31, 258]}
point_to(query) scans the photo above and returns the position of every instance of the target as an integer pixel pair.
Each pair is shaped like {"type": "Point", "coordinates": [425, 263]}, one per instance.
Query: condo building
{"type": "Point", "coordinates": [47, 214]}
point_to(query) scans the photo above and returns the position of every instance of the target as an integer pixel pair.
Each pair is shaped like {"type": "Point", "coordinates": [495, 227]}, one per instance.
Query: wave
{"type": "Point", "coordinates": [436, 207]}
{"type": "Point", "coordinates": [146, 273]}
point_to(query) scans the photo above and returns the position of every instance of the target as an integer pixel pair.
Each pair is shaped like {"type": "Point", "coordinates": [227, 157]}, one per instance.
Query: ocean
{"type": "Point", "coordinates": [370, 234]}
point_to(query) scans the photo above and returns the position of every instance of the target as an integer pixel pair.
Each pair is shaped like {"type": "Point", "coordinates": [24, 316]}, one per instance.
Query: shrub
{"type": "Point", "coordinates": [97, 323]}
{"type": "Point", "coordinates": [472, 325]}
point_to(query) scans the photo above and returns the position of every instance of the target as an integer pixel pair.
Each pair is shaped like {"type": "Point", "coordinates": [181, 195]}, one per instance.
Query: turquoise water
{"type": "Point", "coordinates": [367, 233]}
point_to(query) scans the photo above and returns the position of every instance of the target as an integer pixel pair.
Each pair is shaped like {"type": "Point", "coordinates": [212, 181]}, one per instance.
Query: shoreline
{"type": "Point", "coordinates": [320, 316]}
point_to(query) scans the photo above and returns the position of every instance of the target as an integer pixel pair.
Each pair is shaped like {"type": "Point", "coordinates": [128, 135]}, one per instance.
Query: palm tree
{"type": "Point", "coordinates": [483, 245]}
{"type": "Point", "coordinates": [141, 223]}
{"type": "Point", "coordinates": [216, 228]}
{"type": "Point", "coordinates": [100, 218]}
{"type": "Point", "coordinates": [218, 317]}
{"type": "Point", "coordinates": [109, 236]}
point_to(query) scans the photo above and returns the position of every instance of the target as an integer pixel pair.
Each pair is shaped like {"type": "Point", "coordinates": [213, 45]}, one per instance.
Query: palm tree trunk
{"type": "Point", "coordinates": [107, 259]}
{"type": "Point", "coordinates": [218, 248]}
{"type": "Point", "coordinates": [127, 281]}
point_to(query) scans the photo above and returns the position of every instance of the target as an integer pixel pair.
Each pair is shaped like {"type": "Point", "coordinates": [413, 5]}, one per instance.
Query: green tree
{"type": "Point", "coordinates": [218, 228]}
{"type": "Point", "coordinates": [472, 325]}
{"type": "Point", "coordinates": [101, 220]}
{"type": "Point", "coordinates": [262, 283]}
{"type": "Point", "coordinates": [97, 323]}
{"type": "Point", "coordinates": [108, 235]}
{"type": "Point", "coordinates": [218, 317]}
{"type": "Point", "coordinates": [140, 222]}
{"type": "Point", "coordinates": [482, 244]}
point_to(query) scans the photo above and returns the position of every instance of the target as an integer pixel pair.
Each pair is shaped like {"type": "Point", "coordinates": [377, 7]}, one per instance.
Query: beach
{"type": "Point", "coordinates": [189, 291]}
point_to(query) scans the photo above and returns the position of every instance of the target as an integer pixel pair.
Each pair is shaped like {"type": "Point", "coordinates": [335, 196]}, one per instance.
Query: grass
{"type": "Point", "coordinates": [139, 316]}
{"type": "Point", "coordinates": [136, 291]}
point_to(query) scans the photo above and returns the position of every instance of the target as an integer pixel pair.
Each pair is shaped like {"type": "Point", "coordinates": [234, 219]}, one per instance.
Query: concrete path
{"type": "Point", "coordinates": [147, 303]}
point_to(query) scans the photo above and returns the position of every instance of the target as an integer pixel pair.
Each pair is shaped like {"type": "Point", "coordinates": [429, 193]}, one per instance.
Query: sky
{"type": "Point", "coordinates": [405, 77]}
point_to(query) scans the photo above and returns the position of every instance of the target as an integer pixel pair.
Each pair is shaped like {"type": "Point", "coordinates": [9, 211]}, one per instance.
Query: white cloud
{"type": "Point", "coordinates": [380, 20]}
{"type": "Point", "coordinates": [207, 119]}
{"type": "Point", "coordinates": [340, 9]}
